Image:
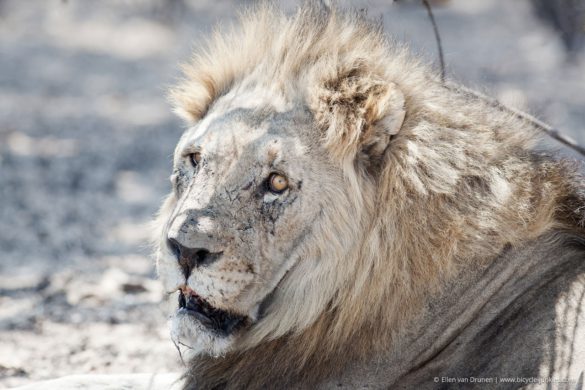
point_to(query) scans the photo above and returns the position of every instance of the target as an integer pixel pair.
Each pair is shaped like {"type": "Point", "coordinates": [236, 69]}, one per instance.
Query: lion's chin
{"type": "Point", "coordinates": [200, 328]}
{"type": "Point", "coordinates": [193, 338]}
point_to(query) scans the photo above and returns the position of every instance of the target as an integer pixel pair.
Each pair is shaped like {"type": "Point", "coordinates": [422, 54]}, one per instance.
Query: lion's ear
{"type": "Point", "coordinates": [358, 113]}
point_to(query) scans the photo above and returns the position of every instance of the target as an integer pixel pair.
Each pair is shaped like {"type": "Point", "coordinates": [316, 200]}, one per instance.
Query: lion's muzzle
{"type": "Point", "coordinates": [191, 240]}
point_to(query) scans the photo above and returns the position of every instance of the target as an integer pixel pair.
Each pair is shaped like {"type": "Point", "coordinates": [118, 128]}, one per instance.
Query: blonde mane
{"type": "Point", "coordinates": [456, 186]}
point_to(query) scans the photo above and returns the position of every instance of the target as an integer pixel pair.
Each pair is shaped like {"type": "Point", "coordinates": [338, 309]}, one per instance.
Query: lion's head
{"type": "Point", "coordinates": [270, 179]}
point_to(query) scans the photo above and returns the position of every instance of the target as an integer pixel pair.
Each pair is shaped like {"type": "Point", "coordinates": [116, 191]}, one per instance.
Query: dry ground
{"type": "Point", "coordinates": [85, 143]}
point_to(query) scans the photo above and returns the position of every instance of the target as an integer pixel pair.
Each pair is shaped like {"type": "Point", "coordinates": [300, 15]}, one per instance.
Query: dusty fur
{"type": "Point", "coordinates": [457, 183]}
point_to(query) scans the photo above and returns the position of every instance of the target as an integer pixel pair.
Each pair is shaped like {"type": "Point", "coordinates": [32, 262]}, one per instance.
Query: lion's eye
{"type": "Point", "coordinates": [277, 183]}
{"type": "Point", "coordinates": [195, 159]}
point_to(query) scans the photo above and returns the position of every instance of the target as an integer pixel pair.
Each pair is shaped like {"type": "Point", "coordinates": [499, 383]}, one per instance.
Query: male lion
{"type": "Point", "coordinates": [341, 219]}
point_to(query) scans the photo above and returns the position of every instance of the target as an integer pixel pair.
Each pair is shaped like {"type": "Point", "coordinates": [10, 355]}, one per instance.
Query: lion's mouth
{"type": "Point", "coordinates": [218, 320]}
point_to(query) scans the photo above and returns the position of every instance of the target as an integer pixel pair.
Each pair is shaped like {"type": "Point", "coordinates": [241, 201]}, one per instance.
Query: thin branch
{"type": "Point", "coordinates": [547, 129]}
{"type": "Point", "coordinates": [540, 125]}
{"type": "Point", "coordinates": [437, 37]}
{"type": "Point", "coordinates": [179, 350]}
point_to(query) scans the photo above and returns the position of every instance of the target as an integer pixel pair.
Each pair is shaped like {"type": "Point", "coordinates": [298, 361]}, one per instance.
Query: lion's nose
{"type": "Point", "coordinates": [190, 258]}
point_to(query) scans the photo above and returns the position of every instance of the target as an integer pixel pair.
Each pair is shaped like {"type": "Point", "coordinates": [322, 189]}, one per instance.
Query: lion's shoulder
{"type": "Point", "coordinates": [520, 318]}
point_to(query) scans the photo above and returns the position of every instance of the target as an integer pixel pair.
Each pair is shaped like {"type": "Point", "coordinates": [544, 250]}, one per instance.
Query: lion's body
{"type": "Point", "coordinates": [421, 234]}
{"type": "Point", "coordinates": [521, 317]}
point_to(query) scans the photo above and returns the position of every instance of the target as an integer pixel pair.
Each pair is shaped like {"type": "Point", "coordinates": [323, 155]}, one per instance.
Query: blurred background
{"type": "Point", "coordinates": [86, 139]}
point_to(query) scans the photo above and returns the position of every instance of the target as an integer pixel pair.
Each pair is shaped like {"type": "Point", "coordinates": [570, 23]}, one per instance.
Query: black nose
{"type": "Point", "coordinates": [190, 258]}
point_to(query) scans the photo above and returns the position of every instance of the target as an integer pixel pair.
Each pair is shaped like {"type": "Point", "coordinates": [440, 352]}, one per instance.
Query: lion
{"type": "Point", "coordinates": [340, 218]}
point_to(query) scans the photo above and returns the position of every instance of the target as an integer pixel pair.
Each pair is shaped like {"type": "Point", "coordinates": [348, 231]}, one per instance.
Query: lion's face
{"type": "Point", "coordinates": [247, 192]}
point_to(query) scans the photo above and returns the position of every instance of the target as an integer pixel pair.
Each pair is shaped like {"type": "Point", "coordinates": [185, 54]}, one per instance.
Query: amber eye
{"type": "Point", "coordinates": [195, 158]}
{"type": "Point", "coordinates": [277, 183]}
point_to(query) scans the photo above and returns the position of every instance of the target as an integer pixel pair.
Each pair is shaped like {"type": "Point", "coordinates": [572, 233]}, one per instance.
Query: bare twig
{"type": "Point", "coordinates": [437, 37]}
{"type": "Point", "coordinates": [547, 129]}
{"type": "Point", "coordinates": [179, 350]}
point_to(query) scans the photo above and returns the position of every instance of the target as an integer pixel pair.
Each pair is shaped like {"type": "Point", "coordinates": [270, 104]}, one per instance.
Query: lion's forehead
{"type": "Point", "coordinates": [261, 135]}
